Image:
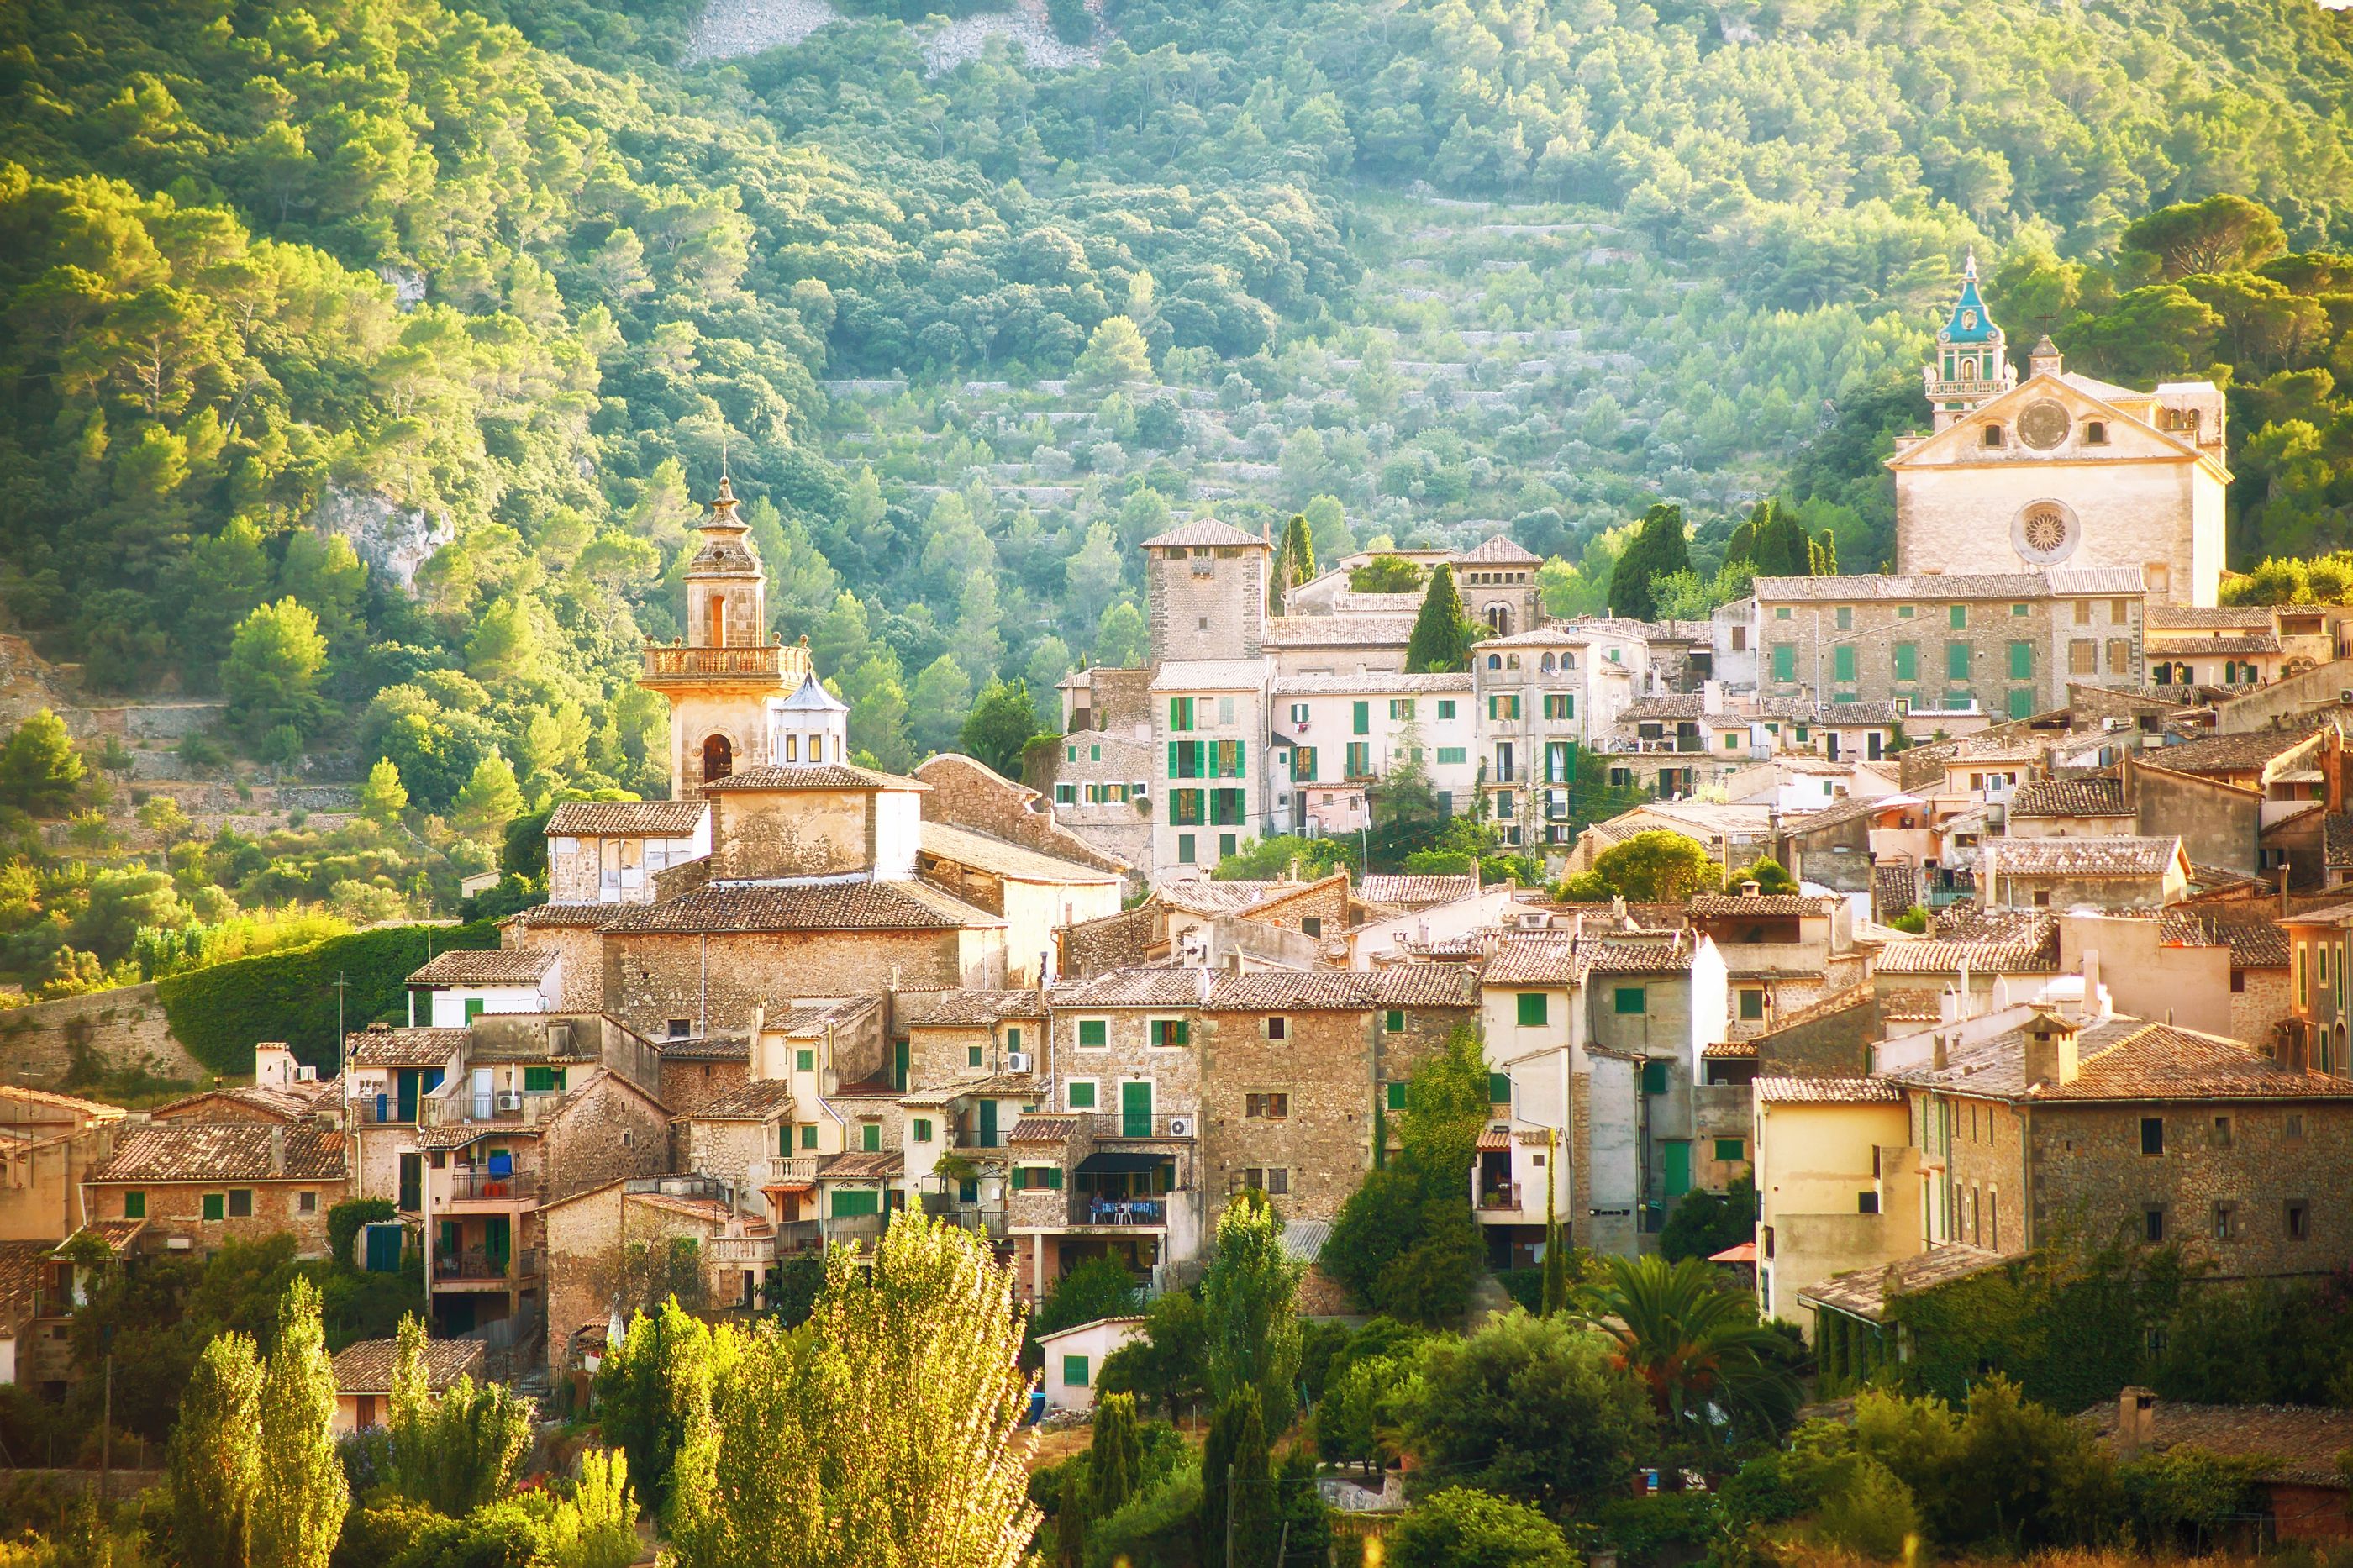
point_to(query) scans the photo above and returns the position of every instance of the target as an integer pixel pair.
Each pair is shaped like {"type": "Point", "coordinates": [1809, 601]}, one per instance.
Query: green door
{"type": "Point", "coordinates": [988, 1124]}
{"type": "Point", "coordinates": [1135, 1110]}
{"type": "Point", "coordinates": [498, 1245]}
{"type": "Point", "coordinates": [408, 1103]}
{"type": "Point", "coordinates": [383, 1249]}
{"type": "Point", "coordinates": [899, 1065]}
{"type": "Point", "coordinates": [1678, 1161]}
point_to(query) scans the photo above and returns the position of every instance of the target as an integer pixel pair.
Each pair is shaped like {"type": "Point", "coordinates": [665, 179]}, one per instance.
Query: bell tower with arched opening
{"type": "Point", "coordinates": [724, 680]}
{"type": "Point", "coordinates": [1972, 365]}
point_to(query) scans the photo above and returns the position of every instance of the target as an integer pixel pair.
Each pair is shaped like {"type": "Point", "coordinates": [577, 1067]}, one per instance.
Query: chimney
{"type": "Point", "coordinates": [1937, 1054]}
{"type": "Point", "coordinates": [2091, 1009]}
{"type": "Point", "coordinates": [1751, 888]}
{"type": "Point", "coordinates": [2051, 1058]}
{"type": "Point", "coordinates": [278, 1150]}
{"type": "Point", "coordinates": [2136, 1421]}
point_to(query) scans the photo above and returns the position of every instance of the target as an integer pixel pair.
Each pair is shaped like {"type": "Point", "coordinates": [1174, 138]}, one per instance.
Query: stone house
{"type": "Point", "coordinates": [574, 934]}
{"type": "Point", "coordinates": [1782, 952]}
{"type": "Point", "coordinates": [622, 1244]}
{"type": "Point", "coordinates": [610, 851]}
{"type": "Point", "coordinates": [1101, 777]}
{"type": "Point", "coordinates": [1335, 734]}
{"type": "Point", "coordinates": [2294, 1450]}
{"type": "Point", "coordinates": [2223, 647]}
{"type": "Point", "coordinates": [2003, 643]}
{"type": "Point", "coordinates": [2120, 1127]}
{"type": "Point", "coordinates": [2314, 1035]}
{"type": "Point", "coordinates": [2105, 873]}
{"type": "Point", "coordinates": [1034, 894]}
{"type": "Point", "coordinates": [364, 1370]}
{"type": "Point", "coordinates": [1541, 697]}
{"type": "Point", "coordinates": [700, 1069]}
{"type": "Point", "coordinates": [1968, 953]}
{"type": "Point", "coordinates": [49, 1144]}
{"type": "Point", "coordinates": [461, 984]}
{"type": "Point", "coordinates": [205, 1183]}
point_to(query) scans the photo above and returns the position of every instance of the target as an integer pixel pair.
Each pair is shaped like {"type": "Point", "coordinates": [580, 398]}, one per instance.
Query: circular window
{"type": "Point", "coordinates": [2045, 531]}
{"type": "Point", "coordinates": [2042, 424]}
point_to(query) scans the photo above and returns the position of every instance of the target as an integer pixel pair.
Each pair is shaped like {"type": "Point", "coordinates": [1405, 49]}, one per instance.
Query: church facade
{"type": "Point", "coordinates": [2059, 470]}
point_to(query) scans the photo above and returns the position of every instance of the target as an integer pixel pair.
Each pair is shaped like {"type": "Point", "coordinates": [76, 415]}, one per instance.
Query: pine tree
{"type": "Point", "coordinates": [383, 797]}
{"type": "Point", "coordinates": [1116, 1463]}
{"type": "Point", "coordinates": [214, 1464]}
{"type": "Point", "coordinates": [489, 799]}
{"type": "Point", "coordinates": [1441, 633]}
{"type": "Point", "coordinates": [302, 1493]}
{"type": "Point", "coordinates": [39, 768]}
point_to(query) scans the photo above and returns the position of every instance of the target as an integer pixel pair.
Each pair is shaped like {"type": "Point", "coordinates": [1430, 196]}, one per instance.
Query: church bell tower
{"type": "Point", "coordinates": [722, 681]}
{"type": "Point", "coordinates": [1972, 365]}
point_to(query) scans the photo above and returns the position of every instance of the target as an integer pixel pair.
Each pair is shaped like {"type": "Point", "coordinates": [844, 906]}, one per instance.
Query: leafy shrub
{"type": "Point", "coordinates": [1871, 1512]}
{"type": "Point", "coordinates": [1153, 1529]}
{"type": "Point", "coordinates": [1459, 1528]}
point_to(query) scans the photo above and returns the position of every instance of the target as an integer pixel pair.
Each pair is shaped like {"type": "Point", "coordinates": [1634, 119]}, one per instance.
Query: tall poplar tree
{"type": "Point", "coordinates": [1250, 1299]}
{"type": "Point", "coordinates": [214, 1464]}
{"type": "Point", "coordinates": [300, 1502]}
{"type": "Point", "coordinates": [1116, 1462]}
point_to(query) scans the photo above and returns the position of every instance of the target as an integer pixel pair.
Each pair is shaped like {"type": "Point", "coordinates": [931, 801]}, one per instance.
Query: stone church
{"type": "Point", "coordinates": [2059, 470]}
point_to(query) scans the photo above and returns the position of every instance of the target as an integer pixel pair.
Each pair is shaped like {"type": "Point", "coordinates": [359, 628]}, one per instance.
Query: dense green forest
{"type": "Point", "coordinates": [366, 359]}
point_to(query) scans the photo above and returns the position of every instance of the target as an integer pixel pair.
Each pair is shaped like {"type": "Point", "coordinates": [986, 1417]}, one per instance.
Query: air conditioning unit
{"type": "Point", "coordinates": [510, 1099]}
{"type": "Point", "coordinates": [1180, 1127]}
{"type": "Point", "coordinates": [2345, 697]}
{"type": "Point", "coordinates": [1017, 1061]}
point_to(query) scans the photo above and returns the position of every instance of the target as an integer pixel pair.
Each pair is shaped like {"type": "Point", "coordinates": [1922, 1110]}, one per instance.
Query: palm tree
{"type": "Point", "coordinates": [1699, 1349]}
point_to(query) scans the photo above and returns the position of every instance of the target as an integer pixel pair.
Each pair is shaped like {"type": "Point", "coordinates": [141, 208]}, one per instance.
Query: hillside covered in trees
{"type": "Point", "coordinates": [367, 357]}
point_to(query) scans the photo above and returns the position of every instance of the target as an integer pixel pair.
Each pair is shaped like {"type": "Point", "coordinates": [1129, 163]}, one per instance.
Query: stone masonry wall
{"type": "Point", "coordinates": [1324, 1068]}
{"type": "Point", "coordinates": [654, 978]}
{"type": "Point", "coordinates": [2260, 1006]}
{"type": "Point", "coordinates": [176, 1208]}
{"type": "Point", "coordinates": [1985, 1186]}
{"type": "Point", "coordinates": [608, 1130]}
{"type": "Point", "coordinates": [687, 1086]}
{"type": "Point", "coordinates": [121, 1030]}
{"type": "Point", "coordinates": [2089, 1171]}
{"type": "Point", "coordinates": [968, 793]}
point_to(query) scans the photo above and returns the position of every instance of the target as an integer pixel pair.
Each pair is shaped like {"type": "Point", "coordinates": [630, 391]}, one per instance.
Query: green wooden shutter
{"type": "Point", "coordinates": [1533, 1009]}
{"type": "Point", "coordinates": [1907, 661]}
{"type": "Point", "coordinates": [1499, 1088]}
{"type": "Point", "coordinates": [1677, 1155]}
{"type": "Point", "coordinates": [1957, 661]}
{"type": "Point", "coordinates": [1364, 718]}
{"type": "Point", "coordinates": [1136, 1109]}
{"type": "Point", "coordinates": [1843, 662]}
{"type": "Point", "coordinates": [2021, 661]}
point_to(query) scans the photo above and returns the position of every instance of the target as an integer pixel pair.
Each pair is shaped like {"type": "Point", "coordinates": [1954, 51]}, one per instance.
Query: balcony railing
{"type": "Point", "coordinates": [381, 1111]}
{"type": "Point", "coordinates": [1940, 390]}
{"type": "Point", "coordinates": [741, 1251]}
{"type": "Point", "coordinates": [792, 1171]}
{"type": "Point", "coordinates": [1086, 1208]}
{"type": "Point", "coordinates": [1502, 1196]}
{"type": "Point", "coordinates": [479, 1184]}
{"type": "Point", "coordinates": [1119, 1124]}
{"type": "Point", "coordinates": [500, 1107]}
{"type": "Point", "coordinates": [477, 1264]}
{"type": "Point", "coordinates": [765, 662]}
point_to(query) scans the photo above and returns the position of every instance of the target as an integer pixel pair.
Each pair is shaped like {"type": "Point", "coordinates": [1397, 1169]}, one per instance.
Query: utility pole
{"type": "Point", "coordinates": [343, 983]}
{"type": "Point", "coordinates": [1229, 1513]}
{"type": "Point", "coordinates": [106, 1433]}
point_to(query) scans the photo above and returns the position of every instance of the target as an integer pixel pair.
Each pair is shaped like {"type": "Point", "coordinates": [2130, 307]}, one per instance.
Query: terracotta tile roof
{"type": "Point", "coordinates": [996, 1086]}
{"type": "Point", "coordinates": [21, 1269]}
{"type": "Point", "coordinates": [1499, 550]}
{"type": "Point", "coordinates": [1371, 683]}
{"type": "Point", "coordinates": [1155, 986]}
{"type": "Point", "coordinates": [1737, 906]}
{"type": "Point", "coordinates": [829, 906]}
{"type": "Point", "coordinates": [278, 1104]}
{"type": "Point", "coordinates": [809, 775]}
{"type": "Point", "coordinates": [813, 1018]}
{"type": "Point", "coordinates": [2130, 1059]}
{"type": "Point", "coordinates": [2297, 1445]}
{"type": "Point", "coordinates": [1864, 1293]}
{"type": "Point", "coordinates": [225, 1151]}
{"type": "Point", "coordinates": [1836, 714]}
{"type": "Point", "coordinates": [2254, 943]}
{"type": "Point", "coordinates": [1829, 1091]}
{"type": "Point", "coordinates": [2229, 753]}
{"type": "Point", "coordinates": [1833, 815]}
{"type": "Point", "coordinates": [754, 1102]}
{"type": "Point", "coordinates": [591, 916]}
{"type": "Point", "coordinates": [1203, 531]}
{"type": "Point", "coordinates": [964, 1007]}
{"type": "Point", "coordinates": [705, 1048]}
{"type": "Point", "coordinates": [1416, 892]}
{"type": "Point", "coordinates": [1533, 958]}
{"type": "Point", "coordinates": [1998, 942]}
{"type": "Point", "coordinates": [1636, 955]}
{"type": "Point", "coordinates": [2085, 857]}
{"type": "Point", "coordinates": [626, 819]}
{"type": "Point", "coordinates": [484, 966]}
{"type": "Point", "coordinates": [1211, 674]}
{"type": "Point", "coordinates": [383, 1045]}
{"type": "Point", "coordinates": [2070, 797]}
{"type": "Point", "coordinates": [366, 1366]}
{"type": "Point", "coordinates": [89, 1107]}
{"type": "Point", "coordinates": [710, 1211]}
{"type": "Point", "coordinates": [1202, 895]}
{"type": "Point", "coordinates": [1493, 1138]}
{"type": "Point", "coordinates": [1729, 1051]}
{"type": "Point", "coordinates": [1042, 1130]}
{"type": "Point", "coordinates": [2174, 617]}
{"type": "Point", "coordinates": [860, 1166]}
{"type": "Point", "coordinates": [997, 857]}
{"type": "Point", "coordinates": [1424, 985]}
{"type": "Point", "coordinates": [1820, 1008]}
{"type": "Point", "coordinates": [2209, 647]}
{"type": "Point", "coordinates": [2337, 834]}
{"type": "Point", "coordinates": [1672, 706]}
{"type": "Point", "coordinates": [1337, 631]}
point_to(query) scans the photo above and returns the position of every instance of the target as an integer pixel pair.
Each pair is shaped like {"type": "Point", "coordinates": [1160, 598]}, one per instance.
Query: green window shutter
{"type": "Point", "coordinates": [1397, 1096]}
{"type": "Point", "coordinates": [849, 1203]}
{"type": "Point", "coordinates": [2021, 661]}
{"type": "Point", "coordinates": [1731, 1150]}
{"type": "Point", "coordinates": [1846, 617]}
{"type": "Point", "coordinates": [1499, 1088]}
{"type": "Point", "coordinates": [870, 1137]}
{"type": "Point", "coordinates": [1083, 1096]}
{"type": "Point", "coordinates": [1957, 661]}
{"type": "Point", "coordinates": [972, 1056]}
{"type": "Point", "coordinates": [134, 1205]}
{"type": "Point", "coordinates": [1629, 1000]}
{"type": "Point", "coordinates": [1184, 1032]}
{"type": "Point", "coordinates": [808, 1136]}
{"type": "Point", "coordinates": [1092, 1032]}
{"type": "Point", "coordinates": [1654, 1078]}
{"type": "Point", "coordinates": [1907, 661]}
{"type": "Point", "coordinates": [1363, 717]}
{"type": "Point", "coordinates": [1785, 661]}
{"type": "Point", "coordinates": [1136, 1109]}
{"type": "Point", "coordinates": [2021, 702]}
{"type": "Point", "coordinates": [1074, 1372]}
{"type": "Point", "coordinates": [1394, 1021]}
{"type": "Point", "coordinates": [1752, 1006]}
{"type": "Point", "coordinates": [1241, 759]}
{"type": "Point", "coordinates": [1054, 1177]}
{"type": "Point", "coordinates": [1533, 1011]}
{"type": "Point", "coordinates": [804, 1060]}
{"type": "Point", "coordinates": [923, 1130]}
{"type": "Point", "coordinates": [1172, 759]}
{"type": "Point", "coordinates": [1843, 662]}
{"type": "Point", "coordinates": [213, 1202]}
{"type": "Point", "coordinates": [1959, 614]}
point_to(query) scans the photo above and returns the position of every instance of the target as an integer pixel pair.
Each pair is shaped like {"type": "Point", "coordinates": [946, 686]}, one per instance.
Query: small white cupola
{"type": "Point", "coordinates": [812, 725]}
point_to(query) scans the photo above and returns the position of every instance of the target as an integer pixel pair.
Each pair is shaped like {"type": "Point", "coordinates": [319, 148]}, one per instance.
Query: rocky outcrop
{"type": "Point", "coordinates": [394, 542]}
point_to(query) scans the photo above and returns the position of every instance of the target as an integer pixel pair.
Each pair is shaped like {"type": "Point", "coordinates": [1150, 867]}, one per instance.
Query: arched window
{"type": "Point", "coordinates": [718, 627]}
{"type": "Point", "coordinates": [1968, 370]}
{"type": "Point", "coordinates": [1499, 619]}
{"type": "Point", "coordinates": [1512, 661]}
{"type": "Point", "coordinates": [1495, 661]}
{"type": "Point", "coordinates": [2096, 433]}
{"type": "Point", "coordinates": [1547, 664]}
{"type": "Point", "coordinates": [1993, 434]}
{"type": "Point", "coordinates": [718, 758]}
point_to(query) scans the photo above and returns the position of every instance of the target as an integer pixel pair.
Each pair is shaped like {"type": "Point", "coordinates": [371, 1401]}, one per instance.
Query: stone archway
{"type": "Point", "coordinates": [718, 758]}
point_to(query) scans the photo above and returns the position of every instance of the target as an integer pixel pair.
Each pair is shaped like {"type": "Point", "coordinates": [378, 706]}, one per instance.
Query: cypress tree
{"type": "Point", "coordinates": [1658, 550]}
{"type": "Point", "coordinates": [1441, 633]}
{"type": "Point", "coordinates": [1216, 1453]}
{"type": "Point", "coordinates": [1070, 1520]}
{"type": "Point", "coordinates": [1299, 546]}
{"type": "Point", "coordinates": [1116, 1461]}
{"type": "Point", "coordinates": [1253, 1500]}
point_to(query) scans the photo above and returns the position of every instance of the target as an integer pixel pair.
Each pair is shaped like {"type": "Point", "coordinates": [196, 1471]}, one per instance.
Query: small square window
{"type": "Point", "coordinates": [1082, 1094]}
{"type": "Point", "coordinates": [215, 1206]}
{"type": "Point", "coordinates": [682, 1028]}
{"type": "Point", "coordinates": [1499, 1088]}
{"type": "Point", "coordinates": [2222, 1132]}
{"type": "Point", "coordinates": [1093, 1032]}
{"type": "Point", "coordinates": [1629, 1000]}
{"type": "Point", "coordinates": [922, 1130]}
{"type": "Point", "coordinates": [2295, 1124]}
{"type": "Point", "coordinates": [1752, 1005]}
{"type": "Point", "coordinates": [808, 1134]}
{"type": "Point", "coordinates": [804, 1060]}
{"type": "Point", "coordinates": [1278, 1028]}
{"type": "Point", "coordinates": [2299, 1219]}
{"type": "Point", "coordinates": [134, 1205]}
{"type": "Point", "coordinates": [1535, 1009]}
{"type": "Point", "coordinates": [1266, 1107]}
{"type": "Point", "coordinates": [1074, 1372]}
{"type": "Point", "coordinates": [306, 1202]}
{"type": "Point", "coordinates": [1394, 1020]}
{"type": "Point", "coordinates": [972, 1056]}
{"type": "Point", "coordinates": [869, 1137]}
{"type": "Point", "coordinates": [1731, 1150]}
{"type": "Point", "coordinates": [1395, 1096]}
{"type": "Point", "coordinates": [1866, 1203]}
